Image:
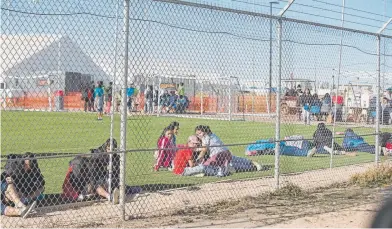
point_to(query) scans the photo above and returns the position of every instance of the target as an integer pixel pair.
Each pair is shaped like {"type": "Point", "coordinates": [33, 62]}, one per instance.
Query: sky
{"type": "Point", "coordinates": [214, 45]}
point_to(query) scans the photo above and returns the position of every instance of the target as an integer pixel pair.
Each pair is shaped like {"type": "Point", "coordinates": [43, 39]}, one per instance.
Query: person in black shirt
{"type": "Point", "coordinates": [22, 183]}
{"type": "Point", "coordinates": [322, 140]}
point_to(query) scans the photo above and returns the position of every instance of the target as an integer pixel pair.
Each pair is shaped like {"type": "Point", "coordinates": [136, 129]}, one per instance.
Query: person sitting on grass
{"type": "Point", "coordinates": [89, 175]}
{"type": "Point", "coordinates": [185, 161]}
{"type": "Point", "coordinates": [181, 104]}
{"type": "Point", "coordinates": [100, 171]}
{"type": "Point", "coordinates": [175, 127]}
{"type": "Point", "coordinates": [172, 102]}
{"type": "Point", "coordinates": [11, 203]}
{"type": "Point", "coordinates": [322, 141]}
{"type": "Point", "coordinates": [164, 101]}
{"type": "Point", "coordinates": [22, 184]}
{"type": "Point", "coordinates": [218, 154]}
{"type": "Point", "coordinates": [166, 149]}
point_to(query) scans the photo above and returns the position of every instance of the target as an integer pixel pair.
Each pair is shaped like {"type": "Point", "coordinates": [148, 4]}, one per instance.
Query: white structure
{"type": "Point", "coordinates": [28, 60]}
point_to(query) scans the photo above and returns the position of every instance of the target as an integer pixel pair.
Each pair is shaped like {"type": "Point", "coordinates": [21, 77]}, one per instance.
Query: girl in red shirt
{"type": "Point", "coordinates": [166, 150]}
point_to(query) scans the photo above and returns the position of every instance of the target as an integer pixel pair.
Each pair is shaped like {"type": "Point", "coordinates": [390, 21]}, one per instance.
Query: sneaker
{"type": "Point", "coordinates": [115, 196]}
{"type": "Point", "coordinates": [26, 210]}
{"type": "Point", "coordinates": [199, 175]}
{"type": "Point", "coordinates": [132, 197]}
{"type": "Point", "coordinates": [337, 152]}
{"type": "Point", "coordinates": [231, 169]}
{"type": "Point", "coordinates": [80, 197]}
{"type": "Point", "coordinates": [329, 150]}
{"type": "Point", "coordinates": [312, 152]}
{"type": "Point", "coordinates": [257, 165]}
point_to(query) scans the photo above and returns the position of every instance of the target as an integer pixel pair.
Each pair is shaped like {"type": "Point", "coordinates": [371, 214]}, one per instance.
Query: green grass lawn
{"type": "Point", "coordinates": [40, 132]}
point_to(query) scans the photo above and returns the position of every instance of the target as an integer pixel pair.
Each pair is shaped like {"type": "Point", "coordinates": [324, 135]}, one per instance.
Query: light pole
{"type": "Point", "coordinates": [270, 59]}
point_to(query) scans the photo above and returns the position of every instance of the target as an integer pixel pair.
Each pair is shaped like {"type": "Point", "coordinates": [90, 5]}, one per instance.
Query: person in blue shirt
{"type": "Point", "coordinates": [98, 94]}
{"type": "Point", "coordinates": [181, 104]}
{"type": "Point", "coordinates": [354, 142]}
{"type": "Point", "coordinates": [172, 102]}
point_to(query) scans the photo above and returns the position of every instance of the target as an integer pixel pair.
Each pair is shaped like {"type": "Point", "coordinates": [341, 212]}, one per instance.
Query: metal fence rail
{"type": "Point", "coordinates": [149, 74]}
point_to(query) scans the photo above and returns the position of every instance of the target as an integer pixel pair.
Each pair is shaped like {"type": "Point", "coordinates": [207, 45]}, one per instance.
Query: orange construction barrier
{"type": "Point", "coordinates": [73, 101]}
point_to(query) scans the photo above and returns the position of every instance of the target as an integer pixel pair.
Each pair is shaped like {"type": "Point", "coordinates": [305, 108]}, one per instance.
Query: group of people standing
{"type": "Point", "coordinates": [153, 100]}
{"type": "Point", "coordinates": [204, 154]}
{"type": "Point", "coordinates": [98, 98]}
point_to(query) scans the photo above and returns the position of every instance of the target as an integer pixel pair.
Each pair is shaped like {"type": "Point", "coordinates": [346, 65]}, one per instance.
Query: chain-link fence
{"type": "Point", "coordinates": [261, 97]}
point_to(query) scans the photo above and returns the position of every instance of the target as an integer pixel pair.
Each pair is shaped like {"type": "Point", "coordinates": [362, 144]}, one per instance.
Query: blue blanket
{"type": "Point", "coordinates": [261, 145]}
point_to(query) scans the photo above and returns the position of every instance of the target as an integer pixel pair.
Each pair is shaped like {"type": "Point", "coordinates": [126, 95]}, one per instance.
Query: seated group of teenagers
{"type": "Point", "coordinates": [204, 154]}
{"type": "Point", "coordinates": [23, 185]}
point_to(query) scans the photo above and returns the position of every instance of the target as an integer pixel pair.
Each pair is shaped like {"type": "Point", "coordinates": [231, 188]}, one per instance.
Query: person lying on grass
{"type": "Point", "coordinates": [354, 142]}
{"type": "Point", "coordinates": [22, 184]}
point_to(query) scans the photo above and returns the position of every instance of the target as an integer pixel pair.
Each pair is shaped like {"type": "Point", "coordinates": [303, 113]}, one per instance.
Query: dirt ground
{"type": "Point", "coordinates": [228, 204]}
{"type": "Point", "coordinates": [338, 207]}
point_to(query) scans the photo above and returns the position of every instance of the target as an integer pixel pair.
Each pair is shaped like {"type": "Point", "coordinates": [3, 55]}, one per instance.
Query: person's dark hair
{"type": "Point", "coordinates": [182, 84]}
{"type": "Point", "coordinates": [349, 130]}
{"type": "Point", "coordinates": [321, 126]}
{"type": "Point", "coordinates": [175, 124]}
{"type": "Point", "coordinates": [205, 129]}
{"type": "Point", "coordinates": [107, 143]}
{"type": "Point", "coordinates": [165, 130]}
{"type": "Point", "coordinates": [33, 162]}
{"type": "Point", "coordinates": [111, 83]}
{"type": "Point", "coordinates": [103, 147]}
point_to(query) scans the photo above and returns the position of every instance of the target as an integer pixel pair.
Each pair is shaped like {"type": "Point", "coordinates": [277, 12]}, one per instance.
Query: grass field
{"type": "Point", "coordinates": [41, 132]}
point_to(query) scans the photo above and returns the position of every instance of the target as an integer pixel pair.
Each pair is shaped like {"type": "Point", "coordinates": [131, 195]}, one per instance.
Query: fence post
{"type": "Point", "coordinates": [113, 101]}
{"type": "Point", "coordinates": [378, 100]}
{"type": "Point", "coordinates": [123, 127]}
{"type": "Point", "coordinates": [277, 127]}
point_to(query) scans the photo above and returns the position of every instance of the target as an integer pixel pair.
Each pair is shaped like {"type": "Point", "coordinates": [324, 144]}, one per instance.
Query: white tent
{"type": "Point", "coordinates": [27, 55]}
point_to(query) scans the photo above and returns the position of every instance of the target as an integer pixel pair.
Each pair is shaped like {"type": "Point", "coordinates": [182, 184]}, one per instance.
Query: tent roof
{"type": "Point", "coordinates": [25, 55]}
